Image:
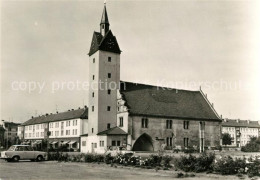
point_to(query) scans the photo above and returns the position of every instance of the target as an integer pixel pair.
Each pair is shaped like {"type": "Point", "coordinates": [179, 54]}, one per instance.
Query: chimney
{"type": "Point", "coordinates": [79, 107]}
{"type": "Point", "coordinates": [72, 109]}
{"type": "Point", "coordinates": [47, 114]}
{"type": "Point", "coordinates": [32, 117]}
{"type": "Point", "coordinates": [57, 112]}
{"type": "Point", "coordinates": [85, 107]}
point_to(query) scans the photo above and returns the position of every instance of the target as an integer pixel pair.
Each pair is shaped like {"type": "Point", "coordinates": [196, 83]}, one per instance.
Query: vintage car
{"type": "Point", "coordinates": [22, 152]}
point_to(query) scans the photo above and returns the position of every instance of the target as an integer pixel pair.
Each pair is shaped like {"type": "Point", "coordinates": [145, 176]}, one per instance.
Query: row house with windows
{"type": "Point", "coordinates": [64, 129]}
{"type": "Point", "coordinates": [240, 131]}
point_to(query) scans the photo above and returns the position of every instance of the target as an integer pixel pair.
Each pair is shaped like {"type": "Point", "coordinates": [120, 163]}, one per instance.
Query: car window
{"type": "Point", "coordinates": [28, 148]}
{"type": "Point", "coordinates": [11, 148]}
{"type": "Point", "coordinates": [19, 148]}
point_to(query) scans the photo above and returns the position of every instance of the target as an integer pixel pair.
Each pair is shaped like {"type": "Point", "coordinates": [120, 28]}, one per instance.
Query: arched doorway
{"type": "Point", "coordinates": [143, 143]}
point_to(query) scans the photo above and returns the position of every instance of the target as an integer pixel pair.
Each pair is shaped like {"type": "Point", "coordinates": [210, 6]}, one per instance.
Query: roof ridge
{"type": "Point", "coordinates": [168, 88]}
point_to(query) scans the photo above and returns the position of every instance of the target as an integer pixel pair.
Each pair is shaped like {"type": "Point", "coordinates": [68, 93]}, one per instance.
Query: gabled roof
{"type": "Point", "coordinates": [113, 131]}
{"type": "Point", "coordinates": [147, 100]}
{"type": "Point", "coordinates": [240, 123]}
{"type": "Point", "coordinates": [106, 43]}
{"type": "Point", "coordinates": [72, 114]}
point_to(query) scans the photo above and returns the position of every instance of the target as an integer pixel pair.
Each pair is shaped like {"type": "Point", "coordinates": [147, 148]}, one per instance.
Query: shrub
{"type": "Point", "coordinates": [166, 161]}
{"type": "Point", "coordinates": [189, 150]}
{"type": "Point", "coordinates": [108, 158]}
{"type": "Point", "coordinates": [153, 161]}
{"type": "Point", "coordinates": [196, 164]}
{"type": "Point", "coordinates": [253, 168]}
{"type": "Point", "coordinates": [228, 166]}
{"type": "Point", "coordinates": [204, 162]}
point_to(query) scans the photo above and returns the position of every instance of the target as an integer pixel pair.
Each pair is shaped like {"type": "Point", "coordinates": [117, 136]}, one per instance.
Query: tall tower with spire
{"type": "Point", "coordinates": [104, 79]}
{"type": "Point", "coordinates": [104, 24]}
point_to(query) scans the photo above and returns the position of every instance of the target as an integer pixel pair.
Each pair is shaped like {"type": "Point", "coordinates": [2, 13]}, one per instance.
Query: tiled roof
{"type": "Point", "coordinates": [113, 131]}
{"type": "Point", "coordinates": [147, 100]}
{"type": "Point", "coordinates": [240, 123]}
{"type": "Point", "coordinates": [72, 114]}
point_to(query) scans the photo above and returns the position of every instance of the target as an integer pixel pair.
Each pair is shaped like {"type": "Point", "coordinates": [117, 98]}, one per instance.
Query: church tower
{"type": "Point", "coordinates": [104, 79]}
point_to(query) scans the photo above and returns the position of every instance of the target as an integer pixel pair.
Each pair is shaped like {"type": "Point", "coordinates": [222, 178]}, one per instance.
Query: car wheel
{"type": "Point", "coordinates": [16, 158]}
{"type": "Point", "coordinates": [39, 158]}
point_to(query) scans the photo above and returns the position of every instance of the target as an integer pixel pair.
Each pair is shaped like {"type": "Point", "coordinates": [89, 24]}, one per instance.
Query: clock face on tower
{"type": "Point", "coordinates": [110, 44]}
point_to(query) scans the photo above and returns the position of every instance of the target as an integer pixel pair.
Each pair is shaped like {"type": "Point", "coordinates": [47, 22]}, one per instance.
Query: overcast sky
{"type": "Point", "coordinates": [181, 44]}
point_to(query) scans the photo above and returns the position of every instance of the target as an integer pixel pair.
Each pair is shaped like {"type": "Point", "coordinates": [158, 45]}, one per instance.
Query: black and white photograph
{"type": "Point", "coordinates": [130, 89]}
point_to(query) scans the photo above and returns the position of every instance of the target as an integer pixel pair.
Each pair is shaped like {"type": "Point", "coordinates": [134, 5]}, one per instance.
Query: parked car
{"type": "Point", "coordinates": [22, 152]}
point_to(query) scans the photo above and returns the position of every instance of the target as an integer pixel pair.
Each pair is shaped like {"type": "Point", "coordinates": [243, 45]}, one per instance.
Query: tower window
{"type": "Point", "coordinates": [93, 94]}
{"type": "Point", "coordinates": [108, 108]}
{"type": "Point", "coordinates": [94, 60]}
{"type": "Point", "coordinates": [109, 59]}
{"type": "Point", "coordinates": [93, 77]}
{"type": "Point", "coordinates": [103, 26]}
{"type": "Point", "coordinates": [109, 91]}
{"type": "Point", "coordinates": [108, 125]}
{"type": "Point", "coordinates": [121, 122]}
{"type": "Point", "coordinates": [109, 75]}
{"type": "Point", "coordinates": [92, 108]}
{"type": "Point", "coordinates": [92, 130]}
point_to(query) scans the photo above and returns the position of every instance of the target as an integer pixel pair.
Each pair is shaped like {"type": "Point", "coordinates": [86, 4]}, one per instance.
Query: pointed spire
{"type": "Point", "coordinates": [104, 24]}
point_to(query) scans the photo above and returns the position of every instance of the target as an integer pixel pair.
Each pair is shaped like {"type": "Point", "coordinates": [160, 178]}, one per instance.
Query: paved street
{"type": "Point", "coordinates": [53, 170]}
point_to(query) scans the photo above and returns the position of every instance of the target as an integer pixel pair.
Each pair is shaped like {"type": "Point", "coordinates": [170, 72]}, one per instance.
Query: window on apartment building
{"type": "Point", "coordinates": [186, 124]}
{"type": "Point", "coordinates": [56, 133]}
{"type": "Point", "coordinates": [144, 123]}
{"type": "Point", "coordinates": [108, 108]}
{"type": "Point", "coordinates": [76, 132]}
{"type": "Point", "coordinates": [186, 142]}
{"type": "Point", "coordinates": [92, 108]}
{"type": "Point", "coordinates": [113, 143]}
{"type": "Point", "coordinates": [169, 141]}
{"type": "Point", "coordinates": [93, 60]}
{"type": "Point", "coordinates": [93, 94]}
{"type": "Point", "coordinates": [168, 124]}
{"type": "Point", "coordinates": [61, 132]}
{"type": "Point", "coordinates": [109, 75]}
{"type": "Point", "coordinates": [57, 124]}
{"type": "Point", "coordinates": [73, 132]}
{"type": "Point", "coordinates": [108, 125]}
{"type": "Point", "coordinates": [118, 143]}
{"type": "Point", "coordinates": [109, 91]}
{"type": "Point", "coordinates": [121, 122]}
{"type": "Point", "coordinates": [76, 122]}
{"type": "Point", "coordinates": [62, 125]}
{"type": "Point", "coordinates": [37, 126]}
{"type": "Point", "coordinates": [109, 59]}
{"type": "Point", "coordinates": [84, 143]}
{"type": "Point", "coordinates": [94, 145]}
{"type": "Point", "coordinates": [93, 77]}
{"type": "Point", "coordinates": [101, 143]}
{"type": "Point", "coordinates": [67, 132]}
